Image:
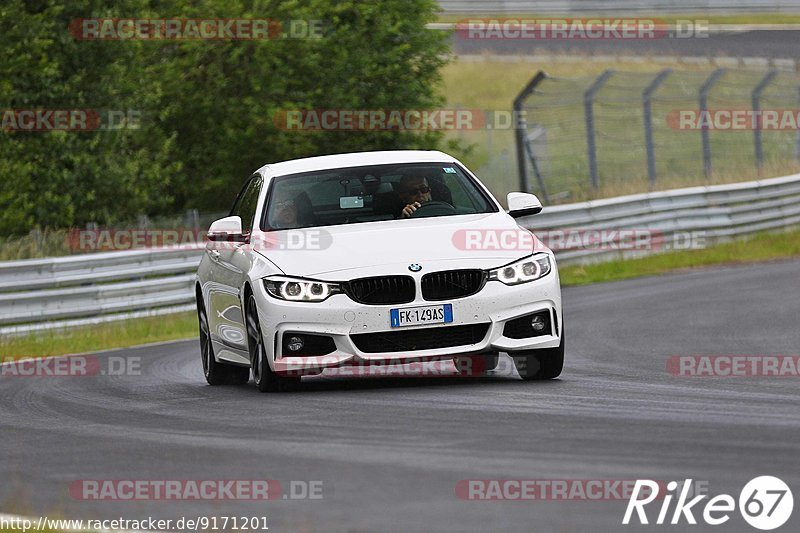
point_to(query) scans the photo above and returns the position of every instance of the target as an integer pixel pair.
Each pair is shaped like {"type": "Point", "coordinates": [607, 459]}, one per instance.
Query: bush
{"type": "Point", "coordinates": [207, 107]}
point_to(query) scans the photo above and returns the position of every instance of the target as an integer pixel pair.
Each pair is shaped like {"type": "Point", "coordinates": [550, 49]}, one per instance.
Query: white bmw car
{"type": "Point", "coordinates": [374, 258]}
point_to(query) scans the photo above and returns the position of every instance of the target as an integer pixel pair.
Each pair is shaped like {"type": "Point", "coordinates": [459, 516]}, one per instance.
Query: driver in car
{"type": "Point", "coordinates": [414, 191]}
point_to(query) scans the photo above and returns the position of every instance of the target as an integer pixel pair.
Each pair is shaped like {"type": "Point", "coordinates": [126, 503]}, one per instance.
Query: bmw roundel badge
{"type": "Point", "coordinates": [415, 267]}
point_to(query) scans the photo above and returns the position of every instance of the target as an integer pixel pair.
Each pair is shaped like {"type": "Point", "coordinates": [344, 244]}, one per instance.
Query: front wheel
{"type": "Point", "coordinates": [265, 379]}
{"type": "Point", "coordinates": [216, 373]}
{"type": "Point", "coordinates": [540, 364]}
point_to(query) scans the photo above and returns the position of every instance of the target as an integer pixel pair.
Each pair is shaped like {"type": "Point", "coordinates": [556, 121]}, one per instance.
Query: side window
{"type": "Point", "coordinates": [247, 203]}
{"type": "Point", "coordinates": [460, 196]}
{"type": "Point", "coordinates": [465, 199]}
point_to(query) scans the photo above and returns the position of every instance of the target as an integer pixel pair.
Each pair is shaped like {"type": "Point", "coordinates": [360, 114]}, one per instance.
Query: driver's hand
{"type": "Point", "coordinates": [410, 208]}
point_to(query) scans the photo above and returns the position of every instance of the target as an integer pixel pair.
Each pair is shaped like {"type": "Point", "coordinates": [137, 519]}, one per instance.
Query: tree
{"type": "Point", "coordinates": [208, 107]}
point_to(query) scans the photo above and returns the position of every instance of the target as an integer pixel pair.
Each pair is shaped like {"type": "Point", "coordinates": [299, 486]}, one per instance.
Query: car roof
{"type": "Point", "coordinates": [355, 159]}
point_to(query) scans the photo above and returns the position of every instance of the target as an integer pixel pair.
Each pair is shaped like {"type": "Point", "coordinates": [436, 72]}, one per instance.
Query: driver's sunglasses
{"type": "Point", "coordinates": [422, 189]}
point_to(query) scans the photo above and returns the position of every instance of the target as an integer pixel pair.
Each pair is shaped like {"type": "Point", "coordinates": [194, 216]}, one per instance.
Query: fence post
{"type": "Point", "coordinates": [588, 104]}
{"type": "Point", "coordinates": [756, 96]}
{"type": "Point", "coordinates": [38, 240]}
{"type": "Point", "coordinates": [193, 219]}
{"type": "Point", "coordinates": [532, 158]}
{"type": "Point", "coordinates": [797, 140]}
{"type": "Point", "coordinates": [704, 136]}
{"type": "Point", "coordinates": [521, 128]}
{"type": "Point", "coordinates": [647, 96]}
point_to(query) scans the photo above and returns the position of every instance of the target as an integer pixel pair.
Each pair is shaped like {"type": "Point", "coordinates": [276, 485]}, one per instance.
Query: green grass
{"type": "Point", "coordinates": [47, 243]}
{"type": "Point", "coordinates": [100, 337]}
{"type": "Point", "coordinates": [759, 247]}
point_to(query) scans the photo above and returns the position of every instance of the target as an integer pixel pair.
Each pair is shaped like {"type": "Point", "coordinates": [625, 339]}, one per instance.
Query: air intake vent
{"type": "Point", "coordinates": [382, 290]}
{"type": "Point", "coordinates": [420, 339]}
{"type": "Point", "coordinates": [451, 284]}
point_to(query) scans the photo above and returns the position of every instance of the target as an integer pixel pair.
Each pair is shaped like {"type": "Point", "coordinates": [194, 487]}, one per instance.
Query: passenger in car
{"type": "Point", "coordinates": [290, 210]}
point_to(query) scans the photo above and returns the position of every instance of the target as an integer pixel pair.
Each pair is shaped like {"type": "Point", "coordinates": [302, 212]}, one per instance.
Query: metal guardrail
{"type": "Point", "coordinates": [39, 294]}
{"type": "Point", "coordinates": [63, 292]}
{"type": "Point", "coordinates": [718, 212]}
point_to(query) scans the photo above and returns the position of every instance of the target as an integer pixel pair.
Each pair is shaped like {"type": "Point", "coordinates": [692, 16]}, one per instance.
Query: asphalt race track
{"type": "Point", "coordinates": [390, 452]}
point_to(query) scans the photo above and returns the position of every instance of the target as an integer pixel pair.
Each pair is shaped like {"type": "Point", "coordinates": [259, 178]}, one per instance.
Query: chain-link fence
{"type": "Point", "coordinates": [606, 6]}
{"type": "Point", "coordinates": [623, 132]}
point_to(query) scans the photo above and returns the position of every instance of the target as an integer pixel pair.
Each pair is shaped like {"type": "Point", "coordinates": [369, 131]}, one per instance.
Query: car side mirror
{"type": "Point", "coordinates": [522, 204]}
{"type": "Point", "coordinates": [226, 229]}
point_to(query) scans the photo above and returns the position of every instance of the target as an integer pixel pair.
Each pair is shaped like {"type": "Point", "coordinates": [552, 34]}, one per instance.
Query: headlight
{"type": "Point", "coordinates": [300, 290]}
{"type": "Point", "coordinates": [525, 270]}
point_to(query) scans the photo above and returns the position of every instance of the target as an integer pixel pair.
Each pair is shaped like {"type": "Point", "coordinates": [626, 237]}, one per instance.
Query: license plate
{"type": "Point", "coordinates": [415, 316]}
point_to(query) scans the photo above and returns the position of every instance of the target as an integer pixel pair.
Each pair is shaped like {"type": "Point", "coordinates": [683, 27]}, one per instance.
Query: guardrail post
{"type": "Point", "coordinates": [588, 104]}
{"type": "Point", "coordinates": [521, 128]}
{"type": "Point", "coordinates": [647, 96]}
{"type": "Point", "coordinates": [755, 97]}
{"type": "Point", "coordinates": [704, 136]}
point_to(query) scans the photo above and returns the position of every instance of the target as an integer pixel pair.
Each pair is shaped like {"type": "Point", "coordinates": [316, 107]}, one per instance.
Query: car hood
{"type": "Point", "coordinates": [390, 247]}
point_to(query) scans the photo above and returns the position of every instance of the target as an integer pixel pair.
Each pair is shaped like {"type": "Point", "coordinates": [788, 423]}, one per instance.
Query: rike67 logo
{"type": "Point", "coordinates": [765, 503]}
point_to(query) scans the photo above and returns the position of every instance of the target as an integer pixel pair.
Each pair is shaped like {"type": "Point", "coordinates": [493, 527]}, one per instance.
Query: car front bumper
{"type": "Point", "coordinates": [340, 318]}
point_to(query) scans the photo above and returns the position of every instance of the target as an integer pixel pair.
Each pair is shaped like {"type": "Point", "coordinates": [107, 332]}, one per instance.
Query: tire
{"type": "Point", "coordinates": [265, 379]}
{"type": "Point", "coordinates": [216, 373]}
{"type": "Point", "coordinates": [538, 365]}
{"type": "Point", "coordinates": [476, 365]}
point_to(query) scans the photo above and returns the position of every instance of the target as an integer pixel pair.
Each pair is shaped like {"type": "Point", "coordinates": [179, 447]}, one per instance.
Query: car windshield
{"type": "Point", "coordinates": [372, 193]}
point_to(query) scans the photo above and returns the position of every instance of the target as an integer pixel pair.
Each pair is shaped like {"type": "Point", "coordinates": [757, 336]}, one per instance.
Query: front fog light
{"type": "Point", "coordinates": [295, 344]}
{"type": "Point", "coordinates": [538, 323]}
